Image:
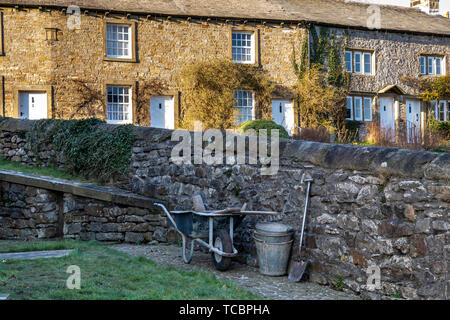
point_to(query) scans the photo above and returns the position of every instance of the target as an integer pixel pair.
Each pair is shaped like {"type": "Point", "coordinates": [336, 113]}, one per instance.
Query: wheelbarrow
{"type": "Point", "coordinates": [196, 226]}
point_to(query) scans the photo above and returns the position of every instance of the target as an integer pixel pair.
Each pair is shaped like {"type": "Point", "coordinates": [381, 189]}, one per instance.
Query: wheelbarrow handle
{"type": "Point", "coordinates": [163, 207]}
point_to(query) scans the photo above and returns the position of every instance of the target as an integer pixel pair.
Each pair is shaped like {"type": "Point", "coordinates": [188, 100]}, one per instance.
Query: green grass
{"type": "Point", "coordinates": [41, 171]}
{"type": "Point", "coordinates": [105, 274]}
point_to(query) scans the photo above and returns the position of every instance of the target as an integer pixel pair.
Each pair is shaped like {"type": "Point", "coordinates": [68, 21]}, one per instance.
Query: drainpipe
{"type": "Point", "coordinates": [2, 89]}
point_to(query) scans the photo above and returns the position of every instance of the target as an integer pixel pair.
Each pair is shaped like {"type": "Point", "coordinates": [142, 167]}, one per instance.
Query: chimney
{"type": "Point", "coordinates": [428, 6]}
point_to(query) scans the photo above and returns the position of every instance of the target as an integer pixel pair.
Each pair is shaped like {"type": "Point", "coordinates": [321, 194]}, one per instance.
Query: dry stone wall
{"type": "Point", "coordinates": [29, 212]}
{"type": "Point", "coordinates": [369, 207]}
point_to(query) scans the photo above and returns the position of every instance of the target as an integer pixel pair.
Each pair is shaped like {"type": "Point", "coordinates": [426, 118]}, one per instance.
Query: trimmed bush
{"type": "Point", "coordinates": [442, 128]}
{"type": "Point", "coordinates": [264, 124]}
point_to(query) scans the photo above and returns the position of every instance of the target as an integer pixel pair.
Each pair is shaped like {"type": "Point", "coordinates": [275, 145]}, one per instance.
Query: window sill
{"type": "Point", "coordinates": [128, 60]}
{"type": "Point", "coordinates": [362, 74]}
{"type": "Point", "coordinates": [431, 75]}
{"type": "Point", "coordinates": [255, 64]}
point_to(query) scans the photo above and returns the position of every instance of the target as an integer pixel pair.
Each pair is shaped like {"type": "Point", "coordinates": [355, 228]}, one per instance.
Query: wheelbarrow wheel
{"type": "Point", "coordinates": [222, 241]}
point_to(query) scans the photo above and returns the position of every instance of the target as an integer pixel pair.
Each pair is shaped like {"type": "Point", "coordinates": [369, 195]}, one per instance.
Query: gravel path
{"type": "Point", "coordinates": [276, 288]}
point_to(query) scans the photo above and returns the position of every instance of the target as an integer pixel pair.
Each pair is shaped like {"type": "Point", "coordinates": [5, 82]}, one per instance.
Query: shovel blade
{"type": "Point", "coordinates": [297, 270]}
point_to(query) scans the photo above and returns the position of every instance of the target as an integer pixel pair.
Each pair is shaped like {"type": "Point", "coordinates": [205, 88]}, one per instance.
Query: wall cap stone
{"type": "Point", "coordinates": [387, 161]}
{"type": "Point", "coordinates": [103, 193]}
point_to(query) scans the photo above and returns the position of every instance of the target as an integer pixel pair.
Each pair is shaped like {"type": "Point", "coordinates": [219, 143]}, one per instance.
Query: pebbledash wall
{"type": "Point", "coordinates": [369, 206]}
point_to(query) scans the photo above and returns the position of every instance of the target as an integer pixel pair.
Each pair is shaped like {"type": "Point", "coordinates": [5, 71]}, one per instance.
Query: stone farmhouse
{"type": "Point", "coordinates": [58, 56]}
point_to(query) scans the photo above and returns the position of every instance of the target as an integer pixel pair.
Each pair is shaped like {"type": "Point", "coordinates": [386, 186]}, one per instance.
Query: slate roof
{"type": "Point", "coordinates": [329, 12]}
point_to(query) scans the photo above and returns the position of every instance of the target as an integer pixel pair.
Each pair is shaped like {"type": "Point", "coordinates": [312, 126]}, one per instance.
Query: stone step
{"type": "Point", "coordinates": [35, 255]}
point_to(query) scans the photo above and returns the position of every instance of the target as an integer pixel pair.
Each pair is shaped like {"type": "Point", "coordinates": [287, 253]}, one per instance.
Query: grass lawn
{"type": "Point", "coordinates": [105, 274]}
{"type": "Point", "coordinates": [41, 171]}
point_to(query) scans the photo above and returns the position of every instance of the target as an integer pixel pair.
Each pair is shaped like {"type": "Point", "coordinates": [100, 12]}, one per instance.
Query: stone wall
{"type": "Point", "coordinates": [34, 208]}
{"type": "Point", "coordinates": [369, 206]}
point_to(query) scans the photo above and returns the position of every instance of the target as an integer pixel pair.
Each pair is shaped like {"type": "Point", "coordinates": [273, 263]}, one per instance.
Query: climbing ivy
{"type": "Point", "coordinates": [323, 81]}
{"type": "Point", "coordinates": [86, 146]}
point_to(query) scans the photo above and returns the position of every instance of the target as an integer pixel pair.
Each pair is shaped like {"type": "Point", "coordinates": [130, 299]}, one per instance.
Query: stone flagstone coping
{"type": "Point", "coordinates": [31, 255]}
{"type": "Point", "coordinates": [103, 193]}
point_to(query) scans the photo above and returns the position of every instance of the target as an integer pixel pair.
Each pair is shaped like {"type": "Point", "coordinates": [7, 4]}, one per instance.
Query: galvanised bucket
{"type": "Point", "coordinates": [273, 246]}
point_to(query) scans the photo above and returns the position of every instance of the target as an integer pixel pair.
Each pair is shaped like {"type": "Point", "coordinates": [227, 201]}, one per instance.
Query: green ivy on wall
{"type": "Point", "coordinates": [87, 147]}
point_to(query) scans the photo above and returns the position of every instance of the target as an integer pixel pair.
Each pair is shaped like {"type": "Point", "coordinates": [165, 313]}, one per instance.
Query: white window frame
{"type": "Point", "coordinates": [423, 65]}
{"type": "Point", "coordinates": [349, 98]}
{"type": "Point", "coordinates": [235, 46]}
{"type": "Point", "coordinates": [433, 106]}
{"type": "Point", "coordinates": [431, 65]}
{"type": "Point", "coordinates": [360, 99]}
{"type": "Point", "coordinates": [436, 59]}
{"type": "Point", "coordinates": [369, 117]}
{"type": "Point", "coordinates": [111, 106]}
{"type": "Point", "coordinates": [365, 54]}
{"type": "Point", "coordinates": [111, 39]}
{"type": "Point", "coordinates": [351, 61]}
{"type": "Point", "coordinates": [444, 110]}
{"type": "Point", "coordinates": [240, 119]}
{"type": "Point", "coordinates": [361, 62]}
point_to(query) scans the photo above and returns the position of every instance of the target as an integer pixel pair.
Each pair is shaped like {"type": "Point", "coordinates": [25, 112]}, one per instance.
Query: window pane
{"type": "Point", "coordinates": [442, 111]}
{"type": "Point", "coordinates": [243, 102]}
{"type": "Point", "coordinates": [348, 61]}
{"type": "Point", "coordinates": [423, 65]}
{"type": "Point", "coordinates": [433, 109]}
{"type": "Point", "coordinates": [243, 47]}
{"type": "Point", "coordinates": [358, 62]}
{"type": "Point", "coordinates": [367, 109]}
{"type": "Point", "coordinates": [438, 66]}
{"type": "Point", "coordinates": [118, 104]}
{"type": "Point", "coordinates": [358, 108]}
{"type": "Point", "coordinates": [367, 63]}
{"type": "Point", "coordinates": [118, 44]}
{"type": "Point", "coordinates": [430, 65]}
{"type": "Point", "coordinates": [349, 108]}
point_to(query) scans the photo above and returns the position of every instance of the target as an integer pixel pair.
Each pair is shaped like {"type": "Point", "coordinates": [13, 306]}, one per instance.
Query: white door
{"type": "Point", "coordinates": [413, 120]}
{"type": "Point", "coordinates": [32, 105]}
{"type": "Point", "coordinates": [162, 112]}
{"type": "Point", "coordinates": [283, 114]}
{"type": "Point", "coordinates": [387, 118]}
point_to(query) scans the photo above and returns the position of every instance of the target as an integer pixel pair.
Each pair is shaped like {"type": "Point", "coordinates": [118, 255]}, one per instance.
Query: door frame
{"type": "Point", "coordinates": [176, 105]}
{"type": "Point", "coordinates": [33, 88]}
{"type": "Point", "coordinates": [294, 118]}
{"type": "Point", "coordinates": [421, 115]}
{"type": "Point", "coordinates": [395, 114]}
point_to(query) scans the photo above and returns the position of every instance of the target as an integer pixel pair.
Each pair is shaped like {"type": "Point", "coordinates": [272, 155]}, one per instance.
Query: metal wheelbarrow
{"type": "Point", "coordinates": [196, 226]}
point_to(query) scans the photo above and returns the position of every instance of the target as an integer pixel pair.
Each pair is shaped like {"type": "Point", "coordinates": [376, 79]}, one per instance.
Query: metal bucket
{"type": "Point", "coordinates": [273, 246]}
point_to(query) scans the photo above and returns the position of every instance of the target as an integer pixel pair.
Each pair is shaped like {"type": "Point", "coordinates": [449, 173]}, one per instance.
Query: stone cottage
{"type": "Point", "coordinates": [58, 57]}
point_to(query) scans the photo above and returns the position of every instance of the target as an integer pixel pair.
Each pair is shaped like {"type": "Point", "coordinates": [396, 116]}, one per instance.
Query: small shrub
{"type": "Point", "coordinates": [442, 128]}
{"type": "Point", "coordinates": [264, 124]}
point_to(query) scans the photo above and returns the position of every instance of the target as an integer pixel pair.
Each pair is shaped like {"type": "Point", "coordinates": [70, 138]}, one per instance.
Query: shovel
{"type": "Point", "coordinates": [299, 265]}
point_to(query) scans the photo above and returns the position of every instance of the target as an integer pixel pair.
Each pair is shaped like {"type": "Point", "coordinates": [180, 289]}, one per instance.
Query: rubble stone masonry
{"type": "Point", "coordinates": [34, 60]}
{"type": "Point", "coordinates": [369, 206]}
